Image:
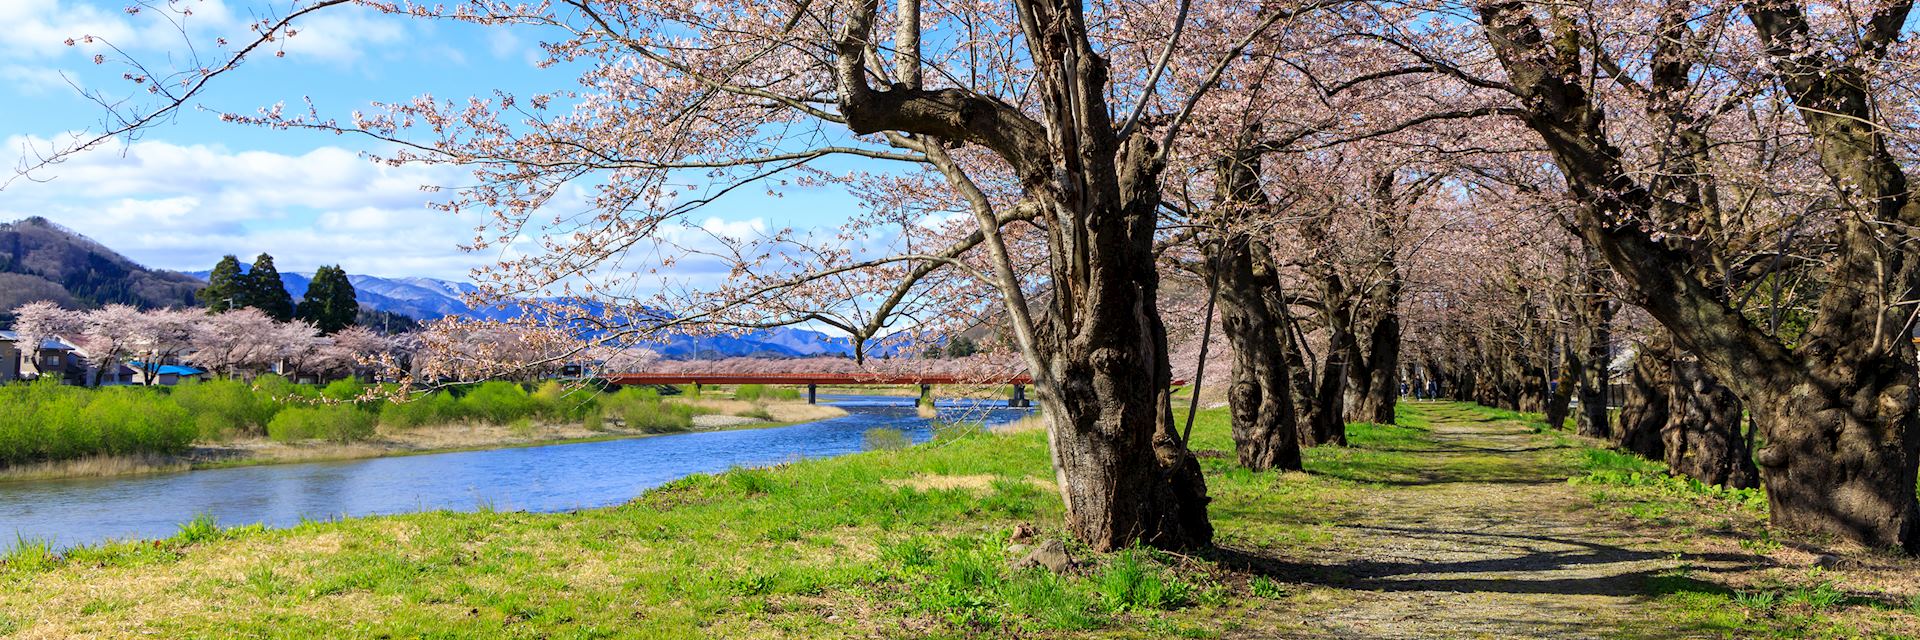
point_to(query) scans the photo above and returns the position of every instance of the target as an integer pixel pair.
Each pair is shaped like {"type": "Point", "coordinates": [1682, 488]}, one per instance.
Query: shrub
{"type": "Point", "coordinates": [225, 407]}
{"type": "Point", "coordinates": [559, 402]}
{"type": "Point", "coordinates": [759, 392]}
{"type": "Point", "coordinates": [434, 408]}
{"type": "Point", "coordinates": [281, 390]}
{"type": "Point", "coordinates": [658, 417]}
{"type": "Point", "coordinates": [497, 402]}
{"type": "Point", "coordinates": [344, 389]}
{"type": "Point", "coordinates": [331, 422]}
{"type": "Point", "coordinates": [139, 421]}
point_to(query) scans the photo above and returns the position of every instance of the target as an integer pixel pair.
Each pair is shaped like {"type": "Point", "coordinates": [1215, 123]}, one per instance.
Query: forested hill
{"type": "Point", "coordinates": [40, 260]}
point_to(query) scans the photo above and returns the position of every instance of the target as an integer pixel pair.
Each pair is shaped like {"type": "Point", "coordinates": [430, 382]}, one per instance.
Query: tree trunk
{"type": "Point", "coordinates": [1643, 413]}
{"type": "Point", "coordinates": [1124, 473]}
{"type": "Point", "coordinates": [1261, 395]}
{"type": "Point", "coordinates": [1254, 319]}
{"type": "Point", "coordinates": [1100, 353]}
{"type": "Point", "coordinates": [1329, 424]}
{"type": "Point", "coordinates": [1562, 396]}
{"type": "Point", "coordinates": [1702, 435]}
{"type": "Point", "coordinates": [1594, 371]}
{"type": "Point", "coordinates": [1376, 388]}
{"type": "Point", "coordinates": [1839, 459]}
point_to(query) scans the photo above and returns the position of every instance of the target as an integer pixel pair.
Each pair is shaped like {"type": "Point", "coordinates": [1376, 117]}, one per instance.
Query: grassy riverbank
{"type": "Point", "coordinates": [55, 431]}
{"type": "Point", "coordinates": [1461, 523]}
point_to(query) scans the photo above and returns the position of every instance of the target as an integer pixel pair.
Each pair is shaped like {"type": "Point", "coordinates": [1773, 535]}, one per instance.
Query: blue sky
{"type": "Point", "coordinates": [193, 189]}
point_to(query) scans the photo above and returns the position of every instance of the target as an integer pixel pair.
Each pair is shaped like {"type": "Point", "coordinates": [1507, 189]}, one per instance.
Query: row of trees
{"type": "Point", "coordinates": [1493, 179]}
{"type": "Point", "coordinates": [330, 302]}
{"type": "Point", "coordinates": [242, 342]}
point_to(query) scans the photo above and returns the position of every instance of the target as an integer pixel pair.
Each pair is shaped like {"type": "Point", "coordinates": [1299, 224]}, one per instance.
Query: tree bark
{"type": "Point", "coordinates": [1375, 388]}
{"type": "Point", "coordinates": [1253, 319]}
{"type": "Point", "coordinates": [1703, 432]}
{"type": "Point", "coordinates": [1643, 413]}
{"type": "Point", "coordinates": [1329, 424]}
{"type": "Point", "coordinates": [1558, 403]}
{"type": "Point", "coordinates": [1595, 373]}
{"type": "Point", "coordinates": [1261, 392]}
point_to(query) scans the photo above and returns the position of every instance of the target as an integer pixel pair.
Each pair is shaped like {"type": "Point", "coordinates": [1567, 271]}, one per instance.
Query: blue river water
{"type": "Point", "coordinates": [546, 478]}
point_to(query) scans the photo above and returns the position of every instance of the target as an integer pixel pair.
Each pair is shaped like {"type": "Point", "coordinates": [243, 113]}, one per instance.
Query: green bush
{"type": "Point", "coordinates": [281, 389]}
{"type": "Point", "coordinates": [344, 389]}
{"type": "Point", "coordinates": [127, 420]}
{"type": "Point", "coordinates": [657, 417]}
{"type": "Point", "coordinates": [759, 392]}
{"type": "Point", "coordinates": [434, 408]}
{"type": "Point", "coordinates": [225, 407]}
{"type": "Point", "coordinates": [45, 421]}
{"type": "Point", "coordinates": [497, 402]}
{"type": "Point", "coordinates": [338, 423]}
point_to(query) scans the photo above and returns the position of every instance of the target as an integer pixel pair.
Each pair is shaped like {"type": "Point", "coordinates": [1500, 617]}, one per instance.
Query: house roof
{"type": "Point", "coordinates": [54, 343]}
{"type": "Point", "coordinates": [167, 369]}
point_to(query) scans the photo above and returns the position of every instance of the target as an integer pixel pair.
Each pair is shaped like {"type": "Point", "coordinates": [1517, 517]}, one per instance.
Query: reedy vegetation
{"type": "Point", "coordinates": [46, 421]}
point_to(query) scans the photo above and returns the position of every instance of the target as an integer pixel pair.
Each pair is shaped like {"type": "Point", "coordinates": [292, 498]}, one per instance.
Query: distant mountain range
{"type": "Point", "coordinates": [40, 260]}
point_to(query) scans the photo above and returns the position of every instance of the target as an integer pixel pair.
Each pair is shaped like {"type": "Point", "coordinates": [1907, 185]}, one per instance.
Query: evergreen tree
{"type": "Point", "coordinates": [330, 303]}
{"type": "Point", "coordinates": [961, 347]}
{"type": "Point", "coordinates": [266, 292]}
{"type": "Point", "coordinates": [226, 288]}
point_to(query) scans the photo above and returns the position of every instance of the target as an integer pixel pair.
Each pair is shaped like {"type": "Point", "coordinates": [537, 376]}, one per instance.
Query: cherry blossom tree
{"type": "Point", "coordinates": [110, 333]}
{"type": "Point", "coordinates": [37, 322]}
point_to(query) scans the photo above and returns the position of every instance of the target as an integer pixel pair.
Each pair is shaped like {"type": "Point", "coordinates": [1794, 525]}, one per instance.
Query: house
{"type": "Point", "coordinates": [166, 374]}
{"type": "Point", "coordinates": [9, 357]}
{"type": "Point", "coordinates": [54, 357]}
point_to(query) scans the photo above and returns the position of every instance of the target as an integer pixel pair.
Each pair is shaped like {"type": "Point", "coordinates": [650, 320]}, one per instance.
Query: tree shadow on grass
{"type": "Point", "coordinates": [1516, 565]}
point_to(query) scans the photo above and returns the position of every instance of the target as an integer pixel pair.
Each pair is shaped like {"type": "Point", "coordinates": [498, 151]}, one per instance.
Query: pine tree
{"type": "Point", "coordinates": [330, 303]}
{"type": "Point", "coordinates": [226, 288]}
{"type": "Point", "coordinates": [266, 292]}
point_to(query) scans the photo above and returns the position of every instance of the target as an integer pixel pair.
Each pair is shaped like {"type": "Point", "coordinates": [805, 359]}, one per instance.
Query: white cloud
{"type": "Point", "coordinates": [34, 81]}
{"type": "Point", "coordinates": [39, 29]}
{"type": "Point", "coordinates": [345, 35]}
{"type": "Point", "coordinates": [183, 206]}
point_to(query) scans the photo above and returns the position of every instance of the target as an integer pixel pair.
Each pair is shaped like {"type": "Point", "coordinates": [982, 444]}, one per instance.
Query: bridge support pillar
{"type": "Point", "coordinates": [1019, 398]}
{"type": "Point", "coordinates": [926, 395]}
{"type": "Point", "coordinates": [813, 393]}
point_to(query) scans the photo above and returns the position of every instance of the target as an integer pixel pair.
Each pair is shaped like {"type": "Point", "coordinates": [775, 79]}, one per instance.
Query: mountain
{"type": "Point", "coordinates": [40, 260]}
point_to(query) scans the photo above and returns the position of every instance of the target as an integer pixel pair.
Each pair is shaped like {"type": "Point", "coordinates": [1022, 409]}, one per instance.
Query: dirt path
{"type": "Point", "coordinates": [1486, 540]}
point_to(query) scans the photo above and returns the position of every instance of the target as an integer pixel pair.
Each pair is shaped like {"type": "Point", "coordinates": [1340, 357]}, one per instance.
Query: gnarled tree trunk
{"type": "Point", "coordinates": [1702, 434]}
{"type": "Point", "coordinates": [1643, 413]}
{"type": "Point", "coordinates": [1253, 319]}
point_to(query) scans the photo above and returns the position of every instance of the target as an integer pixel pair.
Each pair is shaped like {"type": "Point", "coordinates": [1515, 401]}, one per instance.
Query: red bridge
{"type": "Point", "coordinates": [814, 380]}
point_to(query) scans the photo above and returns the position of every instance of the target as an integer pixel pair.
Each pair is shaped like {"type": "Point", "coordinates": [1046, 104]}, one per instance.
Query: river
{"type": "Point", "coordinates": [559, 477]}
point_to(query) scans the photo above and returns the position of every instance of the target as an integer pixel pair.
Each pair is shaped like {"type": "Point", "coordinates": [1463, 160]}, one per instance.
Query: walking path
{"type": "Point", "coordinates": [1485, 538]}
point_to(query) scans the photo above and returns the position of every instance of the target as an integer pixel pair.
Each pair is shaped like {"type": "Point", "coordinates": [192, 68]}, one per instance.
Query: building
{"type": "Point", "coordinates": [54, 357]}
{"type": "Point", "coordinates": [164, 375]}
{"type": "Point", "coordinates": [9, 357]}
